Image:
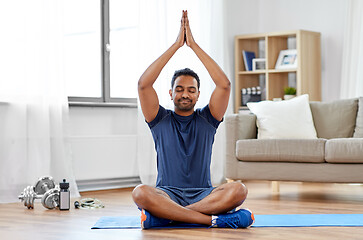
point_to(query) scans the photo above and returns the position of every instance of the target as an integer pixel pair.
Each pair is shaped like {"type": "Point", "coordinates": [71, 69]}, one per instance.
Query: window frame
{"type": "Point", "coordinates": [105, 99]}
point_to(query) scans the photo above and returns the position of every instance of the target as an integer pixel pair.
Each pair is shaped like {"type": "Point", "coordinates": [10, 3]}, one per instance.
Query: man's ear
{"type": "Point", "coordinates": [171, 93]}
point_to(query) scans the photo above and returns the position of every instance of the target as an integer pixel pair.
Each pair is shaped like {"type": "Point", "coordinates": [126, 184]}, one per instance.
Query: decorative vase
{"type": "Point", "coordinates": [287, 97]}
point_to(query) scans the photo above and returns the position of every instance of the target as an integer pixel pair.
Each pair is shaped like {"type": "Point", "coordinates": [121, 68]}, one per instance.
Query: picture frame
{"type": "Point", "coordinates": [287, 59]}
{"type": "Point", "coordinates": [258, 64]}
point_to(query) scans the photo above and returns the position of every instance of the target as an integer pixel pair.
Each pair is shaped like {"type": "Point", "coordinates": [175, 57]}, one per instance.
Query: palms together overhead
{"type": "Point", "coordinates": [185, 34]}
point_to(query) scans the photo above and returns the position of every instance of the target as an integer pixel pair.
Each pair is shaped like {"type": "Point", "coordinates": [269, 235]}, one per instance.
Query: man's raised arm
{"type": "Point", "coordinates": [148, 98]}
{"type": "Point", "coordinates": [219, 100]}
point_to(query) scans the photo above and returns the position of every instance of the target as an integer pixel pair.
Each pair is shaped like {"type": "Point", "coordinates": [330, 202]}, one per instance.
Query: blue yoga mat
{"type": "Point", "coordinates": [309, 220]}
{"type": "Point", "coordinates": [129, 222]}
{"type": "Point", "coordinates": [286, 220]}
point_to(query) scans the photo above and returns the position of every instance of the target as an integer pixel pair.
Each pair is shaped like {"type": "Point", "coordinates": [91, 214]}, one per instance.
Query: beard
{"type": "Point", "coordinates": [184, 104]}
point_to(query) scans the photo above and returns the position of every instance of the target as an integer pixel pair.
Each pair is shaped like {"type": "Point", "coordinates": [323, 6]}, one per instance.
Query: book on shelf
{"type": "Point", "coordinates": [247, 59]}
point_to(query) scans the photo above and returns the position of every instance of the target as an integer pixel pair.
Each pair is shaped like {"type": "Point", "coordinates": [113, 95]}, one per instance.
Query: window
{"type": "Point", "coordinates": [101, 39]}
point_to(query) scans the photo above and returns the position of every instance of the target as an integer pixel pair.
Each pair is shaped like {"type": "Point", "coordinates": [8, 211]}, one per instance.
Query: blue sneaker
{"type": "Point", "coordinates": [242, 218]}
{"type": "Point", "coordinates": [149, 221]}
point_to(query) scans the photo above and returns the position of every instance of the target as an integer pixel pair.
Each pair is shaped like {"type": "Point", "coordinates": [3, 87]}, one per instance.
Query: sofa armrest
{"type": "Point", "coordinates": [238, 126]}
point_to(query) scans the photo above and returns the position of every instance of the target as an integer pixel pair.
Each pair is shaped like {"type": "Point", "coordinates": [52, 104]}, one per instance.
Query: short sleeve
{"type": "Point", "coordinates": [207, 115]}
{"type": "Point", "coordinates": [161, 114]}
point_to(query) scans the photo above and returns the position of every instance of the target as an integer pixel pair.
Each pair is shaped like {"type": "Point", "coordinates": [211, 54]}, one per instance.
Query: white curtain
{"type": "Point", "coordinates": [160, 24]}
{"type": "Point", "coordinates": [352, 60]}
{"type": "Point", "coordinates": [33, 102]}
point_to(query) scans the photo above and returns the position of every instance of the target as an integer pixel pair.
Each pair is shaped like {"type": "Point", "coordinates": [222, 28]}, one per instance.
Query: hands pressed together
{"type": "Point", "coordinates": [185, 35]}
{"type": "Point", "coordinates": [148, 98]}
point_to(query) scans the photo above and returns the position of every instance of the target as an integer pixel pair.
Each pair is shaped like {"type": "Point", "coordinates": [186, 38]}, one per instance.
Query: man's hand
{"type": "Point", "coordinates": [181, 37]}
{"type": "Point", "coordinates": [185, 34]}
{"type": "Point", "coordinates": [188, 33]}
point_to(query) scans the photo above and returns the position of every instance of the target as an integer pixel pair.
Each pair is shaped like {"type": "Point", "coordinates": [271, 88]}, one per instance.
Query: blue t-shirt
{"type": "Point", "coordinates": [184, 147]}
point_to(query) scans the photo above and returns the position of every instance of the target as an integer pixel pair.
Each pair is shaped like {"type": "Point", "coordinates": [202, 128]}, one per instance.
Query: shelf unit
{"type": "Point", "coordinates": [306, 77]}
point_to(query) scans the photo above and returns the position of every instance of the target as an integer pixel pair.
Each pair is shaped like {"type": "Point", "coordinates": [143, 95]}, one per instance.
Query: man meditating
{"type": "Point", "coordinates": [183, 142]}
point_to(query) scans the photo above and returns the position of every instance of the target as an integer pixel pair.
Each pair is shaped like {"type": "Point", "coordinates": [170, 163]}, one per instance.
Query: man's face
{"type": "Point", "coordinates": [185, 93]}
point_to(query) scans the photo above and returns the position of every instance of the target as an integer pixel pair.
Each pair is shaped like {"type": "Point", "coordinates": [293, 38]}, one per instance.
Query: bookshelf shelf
{"type": "Point", "coordinates": [306, 78]}
{"type": "Point", "coordinates": [281, 70]}
{"type": "Point", "coordinates": [252, 72]}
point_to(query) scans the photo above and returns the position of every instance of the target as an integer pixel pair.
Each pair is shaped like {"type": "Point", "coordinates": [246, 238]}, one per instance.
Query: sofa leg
{"type": "Point", "coordinates": [275, 185]}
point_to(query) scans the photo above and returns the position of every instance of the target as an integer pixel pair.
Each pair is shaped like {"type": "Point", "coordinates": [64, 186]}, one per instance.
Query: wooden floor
{"type": "Point", "coordinates": [17, 222]}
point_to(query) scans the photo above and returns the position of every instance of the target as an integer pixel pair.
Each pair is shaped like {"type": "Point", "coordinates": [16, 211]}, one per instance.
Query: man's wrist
{"type": "Point", "coordinates": [194, 46]}
{"type": "Point", "coordinates": [175, 46]}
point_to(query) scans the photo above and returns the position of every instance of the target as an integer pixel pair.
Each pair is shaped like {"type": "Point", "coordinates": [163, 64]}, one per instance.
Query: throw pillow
{"type": "Point", "coordinates": [289, 119]}
{"type": "Point", "coordinates": [358, 132]}
{"type": "Point", "coordinates": [335, 119]}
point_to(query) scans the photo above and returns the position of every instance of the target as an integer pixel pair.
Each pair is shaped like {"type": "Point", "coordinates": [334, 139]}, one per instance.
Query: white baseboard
{"type": "Point", "coordinates": [110, 183]}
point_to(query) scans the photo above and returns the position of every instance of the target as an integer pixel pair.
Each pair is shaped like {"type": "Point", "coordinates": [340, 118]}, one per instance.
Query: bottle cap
{"type": "Point", "coordinates": [64, 185]}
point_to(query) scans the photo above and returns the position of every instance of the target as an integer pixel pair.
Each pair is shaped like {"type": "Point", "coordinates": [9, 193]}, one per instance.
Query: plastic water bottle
{"type": "Point", "coordinates": [64, 196]}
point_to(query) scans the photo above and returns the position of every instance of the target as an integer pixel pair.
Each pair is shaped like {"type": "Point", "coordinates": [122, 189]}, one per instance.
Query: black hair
{"type": "Point", "coordinates": [185, 72]}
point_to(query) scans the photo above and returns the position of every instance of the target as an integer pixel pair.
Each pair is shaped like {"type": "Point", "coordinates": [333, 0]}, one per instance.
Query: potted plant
{"type": "Point", "coordinates": [290, 92]}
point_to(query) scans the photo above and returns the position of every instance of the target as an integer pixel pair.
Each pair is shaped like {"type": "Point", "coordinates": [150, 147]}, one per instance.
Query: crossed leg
{"type": "Point", "coordinates": [221, 200]}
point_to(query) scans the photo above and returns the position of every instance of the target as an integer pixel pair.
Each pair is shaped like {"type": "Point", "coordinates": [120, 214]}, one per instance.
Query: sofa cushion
{"type": "Point", "coordinates": [335, 119]}
{"type": "Point", "coordinates": [281, 150]}
{"type": "Point", "coordinates": [358, 131]}
{"type": "Point", "coordinates": [246, 127]}
{"type": "Point", "coordinates": [290, 119]}
{"type": "Point", "coordinates": [344, 150]}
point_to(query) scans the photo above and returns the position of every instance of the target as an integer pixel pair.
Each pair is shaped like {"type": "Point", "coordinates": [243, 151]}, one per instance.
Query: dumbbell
{"type": "Point", "coordinates": [44, 189]}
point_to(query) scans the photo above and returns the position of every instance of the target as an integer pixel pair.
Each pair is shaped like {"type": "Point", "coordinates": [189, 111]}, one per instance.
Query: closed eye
{"type": "Point", "coordinates": [192, 89]}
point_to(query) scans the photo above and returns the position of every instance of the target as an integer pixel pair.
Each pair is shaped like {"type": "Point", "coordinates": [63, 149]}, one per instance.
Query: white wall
{"type": "Point", "coordinates": [103, 142]}
{"type": "Point", "coordinates": [104, 139]}
{"type": "Point", "coordinates": [324, 16]}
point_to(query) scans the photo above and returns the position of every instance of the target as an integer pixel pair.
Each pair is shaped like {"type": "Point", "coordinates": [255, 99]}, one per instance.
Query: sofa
{"type": "Point", "coordinates": [334, 156]}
